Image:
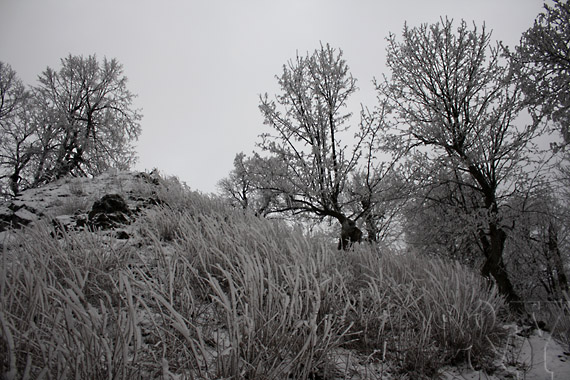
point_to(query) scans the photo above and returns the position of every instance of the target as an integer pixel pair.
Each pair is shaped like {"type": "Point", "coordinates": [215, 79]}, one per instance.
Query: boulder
{"type": "Point", "coordinates": [109, 212]}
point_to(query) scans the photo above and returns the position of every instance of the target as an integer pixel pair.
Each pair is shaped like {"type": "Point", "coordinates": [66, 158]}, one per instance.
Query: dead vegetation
{"type": "Point", "coordinates": [203, 291]}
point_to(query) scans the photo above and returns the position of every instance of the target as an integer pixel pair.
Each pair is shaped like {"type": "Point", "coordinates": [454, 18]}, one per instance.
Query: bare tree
{"type": "Point", "coordinates": [16, 129]}
{"type": "Point", "coordinates": [237, 187]}
{"type": "Point", "coordinates": [537, 248]}
{"type": "Point", "coordinates": [316, 150]}
{"type": "Point", "coordinates": [245, 185]}
{"type": "Point", "coordinates": [457, 104]}
{"type": "Point", "coordinates": [87, 119]}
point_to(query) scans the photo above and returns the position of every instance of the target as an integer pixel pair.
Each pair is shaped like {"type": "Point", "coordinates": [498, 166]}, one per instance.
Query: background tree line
{"type": "Point", "coordinates": [78, 120]}
{"type": "Point", "coordinates": [452, 159]}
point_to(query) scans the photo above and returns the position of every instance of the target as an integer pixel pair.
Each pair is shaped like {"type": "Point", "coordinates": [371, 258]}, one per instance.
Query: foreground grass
{"type": "Point", "coordinates": [207, 292]}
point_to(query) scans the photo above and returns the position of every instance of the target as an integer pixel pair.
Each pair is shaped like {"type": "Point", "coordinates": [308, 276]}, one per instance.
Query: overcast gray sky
{"type": "Point", "coordinates": [198, 67]}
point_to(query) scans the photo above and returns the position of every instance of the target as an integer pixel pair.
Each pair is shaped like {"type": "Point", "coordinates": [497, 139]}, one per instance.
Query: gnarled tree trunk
{"type": "Point", "coordinates": [349, 233]}
{"type": "Point", "coordinates": [493, 244]}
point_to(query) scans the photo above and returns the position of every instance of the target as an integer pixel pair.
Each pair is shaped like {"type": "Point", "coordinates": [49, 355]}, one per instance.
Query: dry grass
{"type": "Point", "coordinates": [426, 313]}
{"type": "Point", "coordinates": [207, 292]}
{"type": "Point", "coordinates": [66, 309]}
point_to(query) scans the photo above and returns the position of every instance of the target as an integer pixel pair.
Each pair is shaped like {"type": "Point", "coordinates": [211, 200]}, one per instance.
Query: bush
{"type": "Point", "coordinates": [424, 313]}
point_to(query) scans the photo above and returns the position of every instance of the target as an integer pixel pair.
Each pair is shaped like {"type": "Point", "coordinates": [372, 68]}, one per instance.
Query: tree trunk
{"type": "Point", "coordinates": [349, 233]}
{"type": "Point", "coordinates": [369, 221]}
{"type": "Point", "coordinates": [371, 229]}
{"type": "Point", "coordinates": [493, 246]}
{"type": "Point", "coordinates": [560, 279]}
{"type": "Point", "coordinates": [15, 182]}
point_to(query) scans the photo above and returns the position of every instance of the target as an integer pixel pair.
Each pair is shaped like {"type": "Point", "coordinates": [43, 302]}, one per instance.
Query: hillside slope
{"type": "Point", "coordinates": [134, 276]}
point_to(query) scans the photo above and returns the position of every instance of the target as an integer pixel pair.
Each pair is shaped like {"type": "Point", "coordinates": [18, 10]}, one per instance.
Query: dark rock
{"type": "Point", "coordinates": [109, 212]}
{"type": "Point", "coordinates": [122, 234]}
{"type": "Point", "coordinates": [16, 216]}
{"type": "Point", "coordinates": [108, 221]}
{"type": "Point", "coordinates": [110, 203]}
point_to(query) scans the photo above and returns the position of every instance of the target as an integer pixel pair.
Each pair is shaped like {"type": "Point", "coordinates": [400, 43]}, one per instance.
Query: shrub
{"type": "Point", "coordinates": [552, 316]}
{"type": "Point", "coordinates": [424, 313]}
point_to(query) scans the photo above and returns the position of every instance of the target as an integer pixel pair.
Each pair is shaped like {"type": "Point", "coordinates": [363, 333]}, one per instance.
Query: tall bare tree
{"type": "Point", "coordinates": [87, 119]}
{"type": "Point", "coordinates": [457, 104]}
{"type": "Point", "coordinates": [16, 129]}
{"type": "Point", "coordinates": [312, 152]}
{"type": "Point", "coordinates": [542, 65]}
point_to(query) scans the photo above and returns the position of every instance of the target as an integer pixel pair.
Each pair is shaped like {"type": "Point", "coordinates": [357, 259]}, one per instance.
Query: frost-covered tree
{"type": "Point", "coordinates": [542, 60]}
{"type": "Point", "coordinates": [78, 121]}
{"type": "Point", "coordinates": [87, 119]}
{"type": "Point", "coordinates": [13, 94]}
{"type": "Point", "coordinates": [457, 103]}
{"type": "Point", "coordinates": [537, 247]}
{"type": "Point", "coordinates": [442, 215]}
{"type": "Point", "coordinates": [16, 130]}
{"type": "Point", "coordinates": [315, 162]}
{"type": "Point", "coordinates": [247, 186]}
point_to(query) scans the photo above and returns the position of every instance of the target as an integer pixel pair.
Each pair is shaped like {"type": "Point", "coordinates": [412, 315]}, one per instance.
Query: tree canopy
{"type": "Point", "coordinates": [543, 62]}
{"type": "Point", "coordinates": [89, 110]}
{"type": "Point", "coordinates": [79, 120]}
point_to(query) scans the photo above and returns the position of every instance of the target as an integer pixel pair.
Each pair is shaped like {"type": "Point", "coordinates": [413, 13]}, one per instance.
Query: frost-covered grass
{"type": "Point", "coordinates": [202, 291]}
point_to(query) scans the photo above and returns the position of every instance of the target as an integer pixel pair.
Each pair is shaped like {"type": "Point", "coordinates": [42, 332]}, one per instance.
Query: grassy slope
{"type": "Point", "coordinates": [202, 291]}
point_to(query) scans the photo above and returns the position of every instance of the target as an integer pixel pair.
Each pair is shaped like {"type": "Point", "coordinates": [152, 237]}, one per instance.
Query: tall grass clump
{"type": "Point", "coordinates": [267, 280]}
{"type": "Point", "coordinates": [66, 310]}
{"type": "Point", "coordinates": [258, 289]}
{"type": "Point", "coordinates": [423, 313]}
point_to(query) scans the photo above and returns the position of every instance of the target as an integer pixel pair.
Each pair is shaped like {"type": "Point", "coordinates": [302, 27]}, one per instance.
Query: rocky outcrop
{"type": "Point", "coordinates": [77, 203]}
